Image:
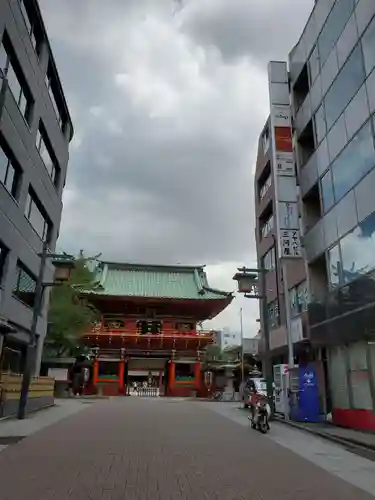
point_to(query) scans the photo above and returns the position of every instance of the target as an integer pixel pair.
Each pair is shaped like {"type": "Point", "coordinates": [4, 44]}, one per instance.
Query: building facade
{"type": "Point", "coordinates": [226, 337]}
{"type": "Point", "coordinates": [35, 131]}
{"type": "Point", "coordinates": [332, 76]}
{"type": "Point", "coordinates": [332, 99]}
{"type": "Point", "coordinates": [266, 234]}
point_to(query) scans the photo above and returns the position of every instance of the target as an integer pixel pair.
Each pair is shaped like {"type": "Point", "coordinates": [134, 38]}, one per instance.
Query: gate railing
{"type": "Point", "coordinates": [148, 392]}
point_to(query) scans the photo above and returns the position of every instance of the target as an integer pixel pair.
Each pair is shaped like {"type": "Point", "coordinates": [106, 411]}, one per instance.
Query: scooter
{"type": "Point", "coordinates": [260, 417]}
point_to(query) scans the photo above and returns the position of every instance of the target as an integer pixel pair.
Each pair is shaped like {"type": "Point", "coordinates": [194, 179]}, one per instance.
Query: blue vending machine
{"type": "Point", "coordinates": [304, 394]}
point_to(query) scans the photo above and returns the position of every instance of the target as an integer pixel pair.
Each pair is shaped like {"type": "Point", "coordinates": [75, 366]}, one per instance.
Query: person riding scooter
{"type": "Point", "coordinates": [256, 400]}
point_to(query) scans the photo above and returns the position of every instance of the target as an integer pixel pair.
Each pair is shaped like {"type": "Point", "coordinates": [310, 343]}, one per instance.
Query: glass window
{"type": "Point", "coordinates": [25, 285]}
{"type": "Point", "coordinates": [358, 250]}
{"type": "Point", "coordinates": [330, 70]}
{"type": "Point", "coordinates": [337, 138]}
{"type": "Point", "coordinates": [31, 26]}
{"type": "Point", "coordinates": [293, 302]}
{"type": "Point", "coordinates": [267, 227]}
{"type": "Point", "coordinates": [9, 174]}
{"type": "Point", "coordinates": [326, 186]}
{"type": "Point", "coordinates": [316, 94]}
{"type": "Point", "coordinates": [346, 85]}
{"type": "Point", "coordinates": [269, 260]}
{"type": "Point", "coordinates": [347, 40]}
{"type": "Point", "coordinates": [322, 157]}
{"type": "Point", "coordinates": [354, 162]}
{"type": "Point", "coordinates": [333, 27]}
{"type": "Point", "coordinates": [368, 44]}
{"type": "Point", "coordinates": [51, 86]}
{"type": "Point", "coordinates": [265, 187]}
{"type": "Point", "coordinates": [370, 84]}
{"type": "Point", "coordinates": [357, 113]}
{"type": "Point", "coordinates": [302, 296]}
{"type": "Point", "coordinates": [273, 315]}
{"type": "Point", "coordinates": [34, 214]}
{"type": "Point", "coordinates": [314, 64]}
{"type": "Point", "coordinates": [334, 264]}
{"type": "Point", "coordinates": [44, 151]}
{"type": "Point", "coordinates": [320, 124]}
{"type": "Point", "coordinates": [16, 83]}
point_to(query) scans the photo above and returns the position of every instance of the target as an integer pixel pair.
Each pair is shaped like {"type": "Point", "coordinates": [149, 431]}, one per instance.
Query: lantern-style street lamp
{"type": "Point", "coordinates": [252, 284]}
{"type": "Point", "coordinates": [63, 264]}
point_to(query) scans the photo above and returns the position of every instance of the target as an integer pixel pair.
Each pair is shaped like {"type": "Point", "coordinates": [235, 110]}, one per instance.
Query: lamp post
{"type": "Point", "coordinates": [63, 264]}
{"type": "Point", "coordinates": [252, 283]}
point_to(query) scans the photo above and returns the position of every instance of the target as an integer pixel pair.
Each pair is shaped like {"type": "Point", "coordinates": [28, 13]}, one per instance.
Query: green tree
{"type": "Point", "coordinates": [70, 314]}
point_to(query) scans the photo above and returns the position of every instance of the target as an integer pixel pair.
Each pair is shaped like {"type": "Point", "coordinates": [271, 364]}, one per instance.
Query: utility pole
{"type": "Point", "coordinates": [33, 340]}
{"type": "Point", "coordinates": [242, 350]}
{"type": "Point", "coordinates": [37, 309]}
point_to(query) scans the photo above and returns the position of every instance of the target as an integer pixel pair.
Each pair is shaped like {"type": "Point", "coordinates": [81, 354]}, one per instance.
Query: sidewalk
{"type": "Point", "coordinates": [13, 430]}
{"type": "Point", "coordinates": [334, 433]}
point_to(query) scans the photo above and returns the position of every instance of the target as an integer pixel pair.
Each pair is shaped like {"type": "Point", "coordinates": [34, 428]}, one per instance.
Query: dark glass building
{"type": "Point", "coordinates": [332, 80]}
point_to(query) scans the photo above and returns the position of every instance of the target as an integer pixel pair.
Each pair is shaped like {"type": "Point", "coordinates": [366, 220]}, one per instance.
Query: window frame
{"type": "Point", "coordinates": [34, 31]}
{"type": "Point", "coordinates": [51, 84]}
{"type": "Point", "coordinates": [20, 267]}
{"type": "Point", "coordinates": [32, 200]}
{"type": "Point", "coordinates": [24, 92]}
{"type": "Point", "coordinates": [42, 139]}
{"type": "Point", "coordinates": [17, 172]}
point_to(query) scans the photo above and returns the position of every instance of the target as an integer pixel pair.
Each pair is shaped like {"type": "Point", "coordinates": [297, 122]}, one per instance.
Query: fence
{"type": "Point", "coordinates": [145, 392]}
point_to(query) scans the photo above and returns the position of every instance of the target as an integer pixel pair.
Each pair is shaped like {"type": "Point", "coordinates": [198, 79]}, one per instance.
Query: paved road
{"type": "Point", "coordinates": [138, 449]}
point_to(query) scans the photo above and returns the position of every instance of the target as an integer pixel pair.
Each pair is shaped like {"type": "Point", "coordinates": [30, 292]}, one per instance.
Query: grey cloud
{"type": "Point", "coordinates": [163, 163]}
{"type": "Point", "coordinates": [262, 30]}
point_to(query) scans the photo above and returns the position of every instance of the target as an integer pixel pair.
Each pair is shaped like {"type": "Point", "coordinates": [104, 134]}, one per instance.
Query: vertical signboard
{"type": "Point", "coordinates": [284, 175]}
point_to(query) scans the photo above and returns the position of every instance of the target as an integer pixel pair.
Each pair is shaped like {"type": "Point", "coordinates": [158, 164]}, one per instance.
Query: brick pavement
{"type": "Point", "coordinates": [138, 449]}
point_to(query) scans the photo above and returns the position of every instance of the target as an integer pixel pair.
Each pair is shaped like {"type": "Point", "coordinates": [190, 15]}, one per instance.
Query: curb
{"type": "Point", "coordinates": [36, 410]}
{"type": "Point", "coordinates": [351, 443]}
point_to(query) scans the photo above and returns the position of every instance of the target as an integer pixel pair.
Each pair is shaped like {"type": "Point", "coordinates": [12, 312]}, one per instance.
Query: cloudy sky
{"type": "Point", "coordinates": [167, 104]}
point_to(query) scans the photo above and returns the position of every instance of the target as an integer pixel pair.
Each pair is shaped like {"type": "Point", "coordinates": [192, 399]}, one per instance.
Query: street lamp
{"type": "Point", "coordinates": [252, 283]}
{"type": "Point", "coordinates": [63, 264]}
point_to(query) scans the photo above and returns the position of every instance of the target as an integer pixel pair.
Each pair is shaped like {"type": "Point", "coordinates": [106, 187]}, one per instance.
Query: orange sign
{"type": "Point", "coordinates": [283, 139]}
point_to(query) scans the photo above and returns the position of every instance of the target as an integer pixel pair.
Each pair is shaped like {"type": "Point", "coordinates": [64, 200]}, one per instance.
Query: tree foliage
{"type": "Point", "coordinates": [69, 314]}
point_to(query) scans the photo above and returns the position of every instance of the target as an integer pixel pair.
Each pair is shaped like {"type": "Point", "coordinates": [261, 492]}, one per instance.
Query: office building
{"type": "Point", "coordinates": [35, 131]}
{"type": "Point", "coordinates": [332, 77]}
{"type": "Point", "coordinates": [332, 105]}
{"type": "Point", "coordinates": [269, 258]}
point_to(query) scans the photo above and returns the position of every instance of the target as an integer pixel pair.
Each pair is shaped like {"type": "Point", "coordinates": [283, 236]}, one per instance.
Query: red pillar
{"type": "Point", "coordinates": [197, 375]}
{"type": "Point", "coordinates": [95, 373]}
{"type": "Point", "coordinates": [121, 374]}
{"type": "Point", "coordinates": [171, 377]}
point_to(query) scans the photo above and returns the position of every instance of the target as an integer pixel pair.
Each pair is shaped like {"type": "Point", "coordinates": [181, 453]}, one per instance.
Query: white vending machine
{"type": "Point", "coordinates": [281, 381]}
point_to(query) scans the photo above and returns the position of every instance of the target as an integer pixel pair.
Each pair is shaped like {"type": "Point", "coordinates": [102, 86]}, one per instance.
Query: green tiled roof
{"type": "Point", "coordinates": [176, 282]}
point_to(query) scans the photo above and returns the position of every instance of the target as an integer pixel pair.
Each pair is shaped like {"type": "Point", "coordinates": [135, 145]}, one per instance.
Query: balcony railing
{"type": "Point", "coordinates": [166, 333]}
{"type": "Point", "coordinates": [357, 295]}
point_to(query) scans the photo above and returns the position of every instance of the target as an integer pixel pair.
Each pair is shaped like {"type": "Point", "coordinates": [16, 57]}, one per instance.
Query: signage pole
{"type": "Point", "coordinates": [288, 326]}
